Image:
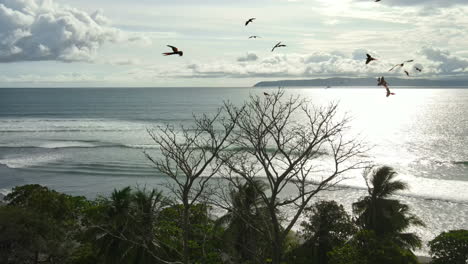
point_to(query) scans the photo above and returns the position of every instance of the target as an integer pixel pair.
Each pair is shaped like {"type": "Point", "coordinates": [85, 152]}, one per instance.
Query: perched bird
{"type": "Point", "coordinates": [407, 73]}
{"type": "Point", "coordinates": [381, 82]}
{"type": "Point", "coordinates": [369, 58]}
{"type": "Point", "coordinates": [254, 37]}
{"type": "Point", "coordinates": [278, 45]}
{"type": "Point", "coordinates": [266, 94]}
{"type": "Point", "coordinates": [400, 65]}
{"type": "Point", "coordinates": [174, 51]}
{"type": "Point", "coordinates": [418, 69]}
{"type": "Point", "coordinates": [249, 21]}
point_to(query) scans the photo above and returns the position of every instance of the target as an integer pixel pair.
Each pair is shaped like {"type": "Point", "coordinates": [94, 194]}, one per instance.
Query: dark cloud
{"type": "Point", "coordinates": [42, 30]}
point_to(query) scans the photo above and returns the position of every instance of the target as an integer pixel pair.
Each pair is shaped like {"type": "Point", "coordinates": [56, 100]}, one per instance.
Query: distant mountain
{"type": "Point", "coordinates": [365, 82]}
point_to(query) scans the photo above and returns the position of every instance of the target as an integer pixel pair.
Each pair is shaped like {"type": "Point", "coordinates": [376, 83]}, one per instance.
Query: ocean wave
{"type": "Point", "coordinates": [65, 144]}
{"type": "Point", "coordinates": [19, 162]}
{"type": "Point", "coordinates": [4, 192]}
{"type": "Point", "coordinates": [28, 125]}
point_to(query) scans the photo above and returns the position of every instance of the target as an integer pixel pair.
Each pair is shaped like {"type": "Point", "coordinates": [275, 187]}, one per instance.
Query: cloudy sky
{"type": "Point", "coordinates": [87, 43]}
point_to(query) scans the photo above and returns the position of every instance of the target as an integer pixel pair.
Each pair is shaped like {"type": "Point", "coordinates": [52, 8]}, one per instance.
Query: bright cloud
{"type": "Point", "coordinates": [435, 62]}
{"type": "Point", "coordinates": [42, 30]}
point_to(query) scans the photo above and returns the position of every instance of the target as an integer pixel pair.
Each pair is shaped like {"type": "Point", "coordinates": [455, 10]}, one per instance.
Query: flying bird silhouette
{"type": "Point", "coordinates": [249, 21]}
{"type": "Point", "coordinates": [369, 58]}
{"type": "Point", "coordinates": [278, 45]}
{"type": "Point", "coordinates": [174, 51]}
{"type": "Point", "coordinates": [381, 82]}
{"type": "Point", "coordinates": [401, 64]}
{"type": "Point", "coordinates": [266, 94]}
{"type": "Point", "coordinates": [254, 37]}
{"type": "Point", "coordinates": [407, 73]}
{"type": "Point", "coordinates": [418, 69]}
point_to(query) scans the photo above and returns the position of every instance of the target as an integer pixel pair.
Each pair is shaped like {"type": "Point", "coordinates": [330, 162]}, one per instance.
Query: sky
{"type": "Point", "coordinates": [118, 43]}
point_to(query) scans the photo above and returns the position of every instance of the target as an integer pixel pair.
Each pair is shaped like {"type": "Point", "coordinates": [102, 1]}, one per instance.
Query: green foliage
{"type": "Point", "coordinates": [204, 236]}
{"type": "Point", "coordinates": [40, 224]}
{"type": "Point", "coordinates": [387, 217]}
{"type": "Point", "coordinates": [450, 247]}
{"type": "Point", "coordinates": [247, 224]}
{"type": "Point", "coordinates": [367, 248]}
{"type": "Point", "coordinates": [84, 254]}
{"type": "Point", "coordinates": [58, 206]}
{"type": "Point", "coordinates": [122, 228]}
{"type": "Point", "coordinates": [327, 226]}
{"type": "Point", "coordinates": [23, 234]}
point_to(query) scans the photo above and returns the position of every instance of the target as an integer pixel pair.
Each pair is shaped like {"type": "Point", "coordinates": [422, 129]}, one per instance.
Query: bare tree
{"type": "Point", "coordinates": [297, 149]}
{"type": "Point", "coordinates": [189, 158]}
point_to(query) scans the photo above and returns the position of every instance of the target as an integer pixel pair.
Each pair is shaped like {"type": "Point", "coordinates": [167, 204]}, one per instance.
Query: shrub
{"type": "Point", "coordinates": [367, 248]}
{"type": "Point", "coordinates": [450, 247]}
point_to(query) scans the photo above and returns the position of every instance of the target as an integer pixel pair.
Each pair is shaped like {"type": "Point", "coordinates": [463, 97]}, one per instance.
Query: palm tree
{"type": "Point", "coordinates": [111, 225]}
{"type": "Point", "coordinates": [123, 226]}
{"type": "Point", "coordinates": [386, 217]}
{"type": "Point", "coordinates": [246, 221]}
{"type": "Point", "coordinates": [145, 213]}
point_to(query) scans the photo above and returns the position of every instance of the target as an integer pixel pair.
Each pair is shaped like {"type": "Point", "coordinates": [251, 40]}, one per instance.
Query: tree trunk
{"type": "Point", "coordinates": [36, 257]}
{"type": "Point", "coordinates": [186, 229]}
{"type": "Point", "coordinates": [277, 250]}
{"type": "Point", "coordinates": [277, 246]}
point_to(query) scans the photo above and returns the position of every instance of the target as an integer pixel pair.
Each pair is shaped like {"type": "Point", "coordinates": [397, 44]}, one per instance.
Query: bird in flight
{"type": "Point", "coordinates": [249, 21]}
{"type": "Point", "coordinates": [400, 64]}
{"type": "Point", "coordinates": [266, 94]}
{"type": "Point", "coordinates": [418, 69]}
{"type": "Point", "coordinates": [278, 45]}
{"type": "Point", "coordinates": [254, 37]}
{"type": "Point", "coordinates": [369, 58]}
{"type": "Point", "coordinates": [381, 82]}
{"type": "Point", "coordinates": [174, 51]}
{"type": "Point", "coordinates": [406, 72]}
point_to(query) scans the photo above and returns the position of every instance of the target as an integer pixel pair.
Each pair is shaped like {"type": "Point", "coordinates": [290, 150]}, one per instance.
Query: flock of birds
{"type": "Point", "coordinates": [380, 81]}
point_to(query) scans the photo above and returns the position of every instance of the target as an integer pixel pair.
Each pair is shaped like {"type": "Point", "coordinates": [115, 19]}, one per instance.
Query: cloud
{"type": "Point", "coordinates": [33, 30]}
{"type": "Point", "coordinates": [438, 3]}
{"type": "Point", "coordinates": [443, 62]}
{"type": "Point", "coordinates": [249, 57]}
{"type": "Point", "coordinates": [318, 64]}
{"type": "Point", "coordinates": [436, 63]}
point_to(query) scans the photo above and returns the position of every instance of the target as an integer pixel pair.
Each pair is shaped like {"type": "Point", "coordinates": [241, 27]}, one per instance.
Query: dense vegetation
{"type": "Point", "coordinates": [39, 225]}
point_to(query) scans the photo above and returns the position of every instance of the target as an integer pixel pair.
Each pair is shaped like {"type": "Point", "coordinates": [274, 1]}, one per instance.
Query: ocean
{"type": "Point", "coordinates": [89, 141]}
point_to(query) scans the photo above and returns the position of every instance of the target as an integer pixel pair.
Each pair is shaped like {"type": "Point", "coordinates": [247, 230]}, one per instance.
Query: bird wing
{"type": "Point", "coordinates": [407, 73]}
{"type": "Point", "coordinates": [409, 61]}
{"type": "Point", "coordinates": [394, 67]}
{"type": "Point", "coordinates": [277, 45]}
{"type": "Point", "coordinates": [369, 56]}
{"type": "Point", "coordinates": [248, 21]}
{"type": "Point", "coordinates": [174, 49]}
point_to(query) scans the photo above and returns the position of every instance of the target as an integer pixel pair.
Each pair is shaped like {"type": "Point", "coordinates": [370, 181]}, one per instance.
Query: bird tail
{"type": "Point", "coordinates": [167, 53]}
